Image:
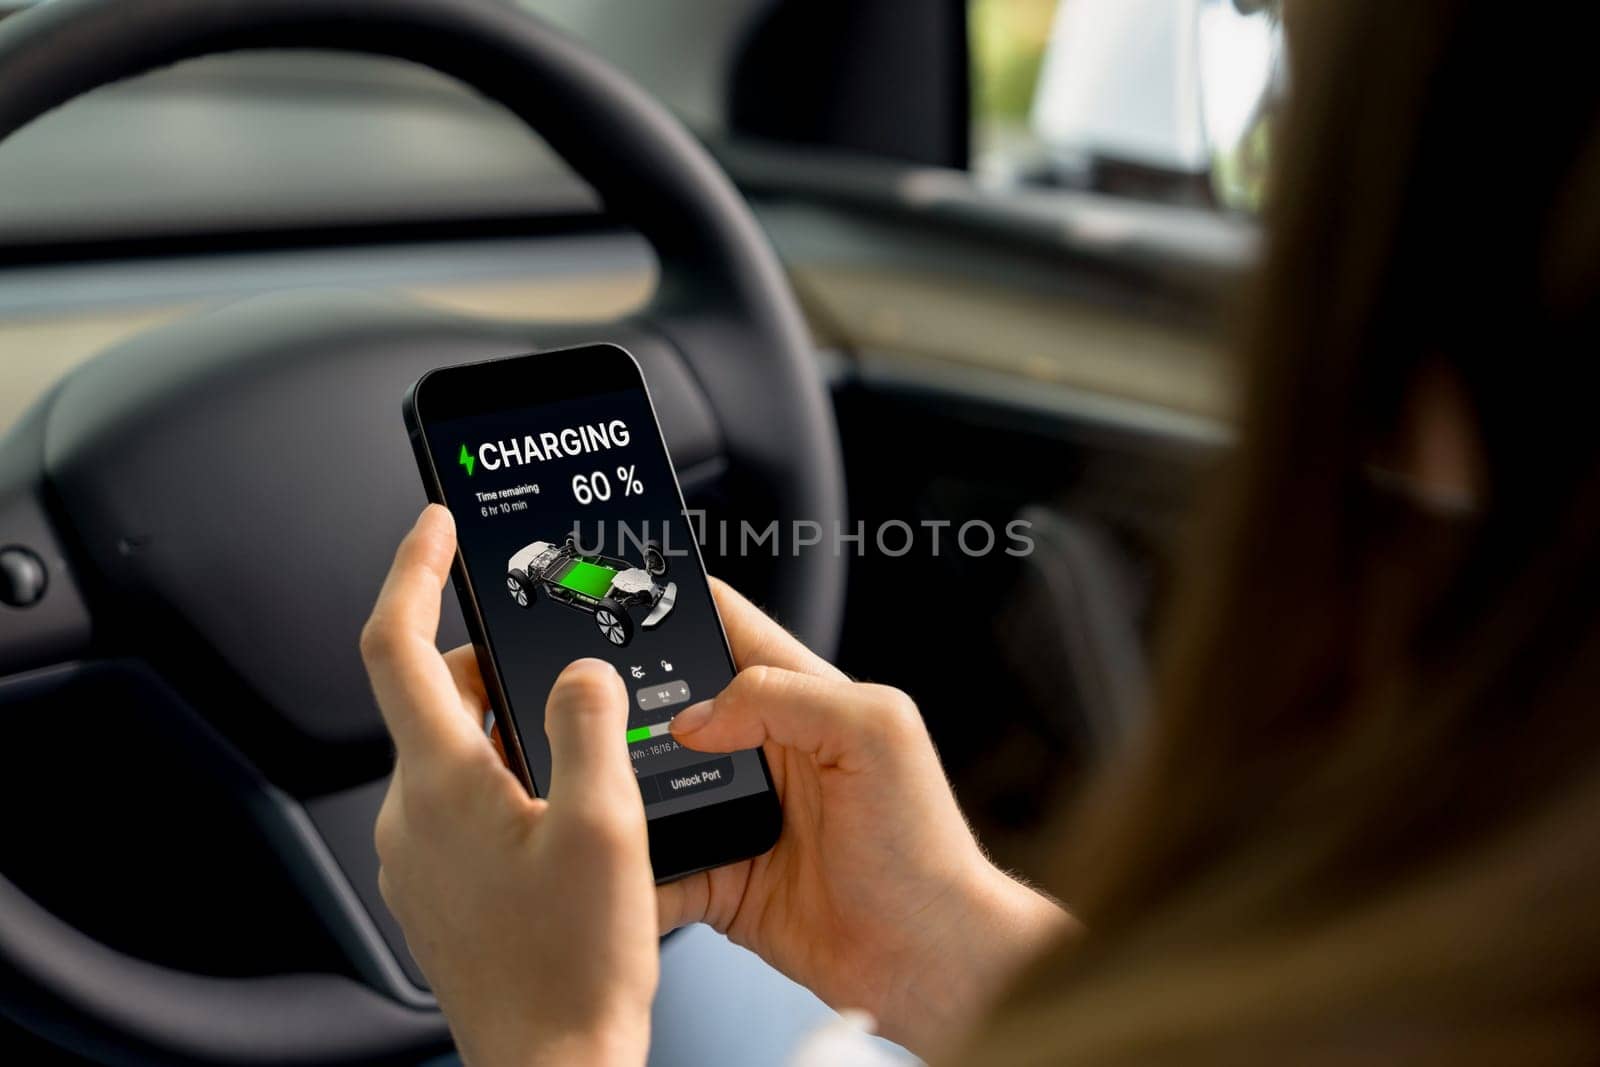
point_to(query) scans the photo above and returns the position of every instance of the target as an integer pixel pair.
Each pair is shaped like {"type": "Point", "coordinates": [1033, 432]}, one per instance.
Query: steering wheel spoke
{"type": "Point", "coordinates": [126, 1005]}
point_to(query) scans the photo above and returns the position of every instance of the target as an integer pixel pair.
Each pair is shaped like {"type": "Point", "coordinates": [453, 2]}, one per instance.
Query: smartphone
{"type": "Point", "coordinates": [571, 542]}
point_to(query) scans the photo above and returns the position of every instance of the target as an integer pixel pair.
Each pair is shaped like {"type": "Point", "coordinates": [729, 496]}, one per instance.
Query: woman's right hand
{"type": "Point", "coordinates": [876, 895]}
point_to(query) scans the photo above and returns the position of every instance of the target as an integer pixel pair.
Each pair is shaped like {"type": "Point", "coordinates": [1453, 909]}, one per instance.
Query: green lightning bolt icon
{"type": "Point", "coordinates": [467, 460]}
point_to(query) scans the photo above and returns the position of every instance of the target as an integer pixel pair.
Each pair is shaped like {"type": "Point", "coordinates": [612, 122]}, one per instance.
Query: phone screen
{"type": "Point", "coordinates": [571, 528]}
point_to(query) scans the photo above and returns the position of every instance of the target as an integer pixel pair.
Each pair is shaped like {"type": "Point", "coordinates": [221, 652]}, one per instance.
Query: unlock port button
{"type": "Point", "coordinates": [713, 774]}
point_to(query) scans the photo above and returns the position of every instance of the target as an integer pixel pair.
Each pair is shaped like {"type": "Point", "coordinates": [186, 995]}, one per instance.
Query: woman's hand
{"type": "Point", "coordinates": [534, 920]}
{"type": "Point", "coordinates": [876, 895]}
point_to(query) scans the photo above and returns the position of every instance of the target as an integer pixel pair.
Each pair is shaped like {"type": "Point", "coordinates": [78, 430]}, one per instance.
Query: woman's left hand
{"type": "Point", "coordinates": [534, 920]}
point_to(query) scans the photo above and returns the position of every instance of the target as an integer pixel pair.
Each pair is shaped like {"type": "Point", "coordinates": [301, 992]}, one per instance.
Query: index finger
{"type": "Point", "coordinates": [758, 641]}
{"type": "Point", "coordinates": [413, 685]}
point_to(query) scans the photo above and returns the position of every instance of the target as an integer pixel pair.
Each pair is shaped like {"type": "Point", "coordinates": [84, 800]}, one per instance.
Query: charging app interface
{"type": "Point", "coordinates": [570, 523]}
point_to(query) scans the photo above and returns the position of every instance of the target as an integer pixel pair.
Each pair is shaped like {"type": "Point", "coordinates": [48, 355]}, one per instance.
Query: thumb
{"type": "Point", "coordinates": [843, 724]}
{"type": "Point", "coordinates": [586, 719]}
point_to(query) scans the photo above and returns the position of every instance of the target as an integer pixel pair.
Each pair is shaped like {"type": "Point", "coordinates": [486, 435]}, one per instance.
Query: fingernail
{"type": "Point", "coordinates": [691, 718]}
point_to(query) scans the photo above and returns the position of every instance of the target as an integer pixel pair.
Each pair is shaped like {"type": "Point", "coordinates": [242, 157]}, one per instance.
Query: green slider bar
{"type": "Point", "coordinates": [645, 733]}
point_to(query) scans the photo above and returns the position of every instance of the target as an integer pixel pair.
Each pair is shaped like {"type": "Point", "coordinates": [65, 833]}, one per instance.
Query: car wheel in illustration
{"type": "Point", "coordinates": [520, 587]}
{"type": "Point", "coordinates": [655, 564]}
{"type": "Point", "coordinates": [615, 624]}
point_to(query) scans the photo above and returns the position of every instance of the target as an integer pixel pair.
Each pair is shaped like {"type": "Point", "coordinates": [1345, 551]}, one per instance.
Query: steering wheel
{"type": "Point", "coordinates": [214, 502]}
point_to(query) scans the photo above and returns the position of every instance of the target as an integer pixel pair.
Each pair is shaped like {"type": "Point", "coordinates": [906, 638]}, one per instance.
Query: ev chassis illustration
{"type": "Point", "coordinates": [609, 589]}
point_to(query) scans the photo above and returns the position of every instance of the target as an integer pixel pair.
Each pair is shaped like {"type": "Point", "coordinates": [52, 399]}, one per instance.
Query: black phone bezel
{"type": "Point", "coordinates": [682, 843]}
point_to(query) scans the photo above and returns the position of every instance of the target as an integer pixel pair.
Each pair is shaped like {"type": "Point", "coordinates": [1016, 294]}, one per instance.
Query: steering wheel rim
{"type": "Point", "coordinates": [649, 171]}
{"type": "Point", "coordinates": [721, 288]}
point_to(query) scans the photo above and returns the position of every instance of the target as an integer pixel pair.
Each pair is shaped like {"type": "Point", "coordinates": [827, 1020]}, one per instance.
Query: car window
{"type": "Point", "coordinates": [1169, 100]}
